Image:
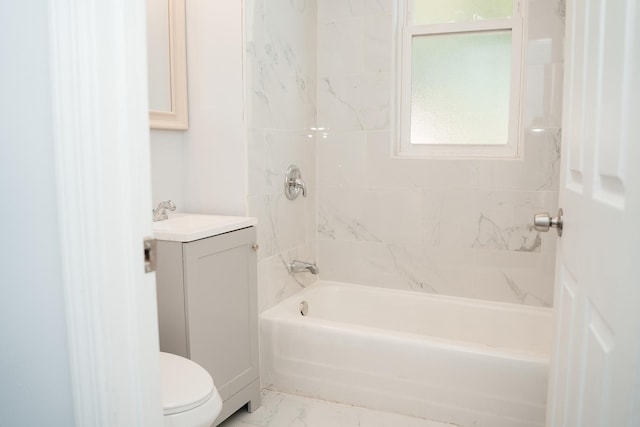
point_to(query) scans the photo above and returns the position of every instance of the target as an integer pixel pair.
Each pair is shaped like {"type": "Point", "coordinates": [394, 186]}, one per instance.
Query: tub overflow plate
{"type": "Point", "coordinates": [304, 308]}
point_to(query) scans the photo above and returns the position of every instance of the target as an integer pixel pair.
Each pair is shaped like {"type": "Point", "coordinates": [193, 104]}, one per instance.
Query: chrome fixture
{"type": "Point", "coordinates": [544, 221]}
{"type": "Point", "coordinates": [293, 183]}
{"type": "Point", "coordinates": [301, 266]}
{"type": "Point", "coordinates": [160, 213]}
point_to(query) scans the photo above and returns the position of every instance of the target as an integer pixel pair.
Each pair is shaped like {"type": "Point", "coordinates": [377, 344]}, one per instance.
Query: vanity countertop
{"type": "Point", "coordinates": [182, 227]}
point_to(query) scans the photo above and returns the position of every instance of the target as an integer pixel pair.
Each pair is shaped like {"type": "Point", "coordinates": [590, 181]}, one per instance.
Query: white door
{"type": "Point", "coordinates": [595, 367]}
{"type": "Point", "coordinates": [101, 134]}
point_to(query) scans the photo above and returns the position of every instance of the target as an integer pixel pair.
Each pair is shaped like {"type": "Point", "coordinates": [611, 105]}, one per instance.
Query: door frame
{"type": "Point", "coordinates": [101, 141]}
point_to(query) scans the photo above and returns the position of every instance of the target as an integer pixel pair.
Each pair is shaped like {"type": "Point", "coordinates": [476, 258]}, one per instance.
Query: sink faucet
{"type": "Point", "coordinates": [160, 213]}
{"type": "Point", "coordinates": [300, 266]}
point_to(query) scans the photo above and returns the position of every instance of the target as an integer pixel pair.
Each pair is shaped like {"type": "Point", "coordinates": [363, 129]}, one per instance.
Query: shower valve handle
{"type": "Point", "coordinates": [293, 183]}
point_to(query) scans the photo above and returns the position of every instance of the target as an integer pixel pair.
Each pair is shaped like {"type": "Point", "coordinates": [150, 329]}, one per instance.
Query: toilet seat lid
{"type": "Point", "coordinates": [185, 384]}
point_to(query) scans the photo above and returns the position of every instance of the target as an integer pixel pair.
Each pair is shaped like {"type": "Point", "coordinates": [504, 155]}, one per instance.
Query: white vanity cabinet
{"type": "Point", "coordinates": [207, 310]}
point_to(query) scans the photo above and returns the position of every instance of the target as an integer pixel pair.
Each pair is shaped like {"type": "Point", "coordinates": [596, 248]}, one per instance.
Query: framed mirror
{"type": "Point", "coordinates": [167, 64]}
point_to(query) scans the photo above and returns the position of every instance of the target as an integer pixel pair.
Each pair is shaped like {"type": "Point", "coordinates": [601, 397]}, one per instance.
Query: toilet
{"type": "Point", "coordinates": [189, 397]}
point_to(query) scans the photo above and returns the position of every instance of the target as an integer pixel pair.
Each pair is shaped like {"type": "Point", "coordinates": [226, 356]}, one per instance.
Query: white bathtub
{"type": "Point", "coordinates": [455, 360]}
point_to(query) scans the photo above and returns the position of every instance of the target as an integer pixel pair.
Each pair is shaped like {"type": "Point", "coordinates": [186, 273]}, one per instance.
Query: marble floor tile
{"type": "Point", "coordinates": [285, 410]}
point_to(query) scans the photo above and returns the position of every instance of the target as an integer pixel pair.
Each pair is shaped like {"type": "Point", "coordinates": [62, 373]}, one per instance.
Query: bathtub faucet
{"type": "Point", "coordinates": [300, 266]}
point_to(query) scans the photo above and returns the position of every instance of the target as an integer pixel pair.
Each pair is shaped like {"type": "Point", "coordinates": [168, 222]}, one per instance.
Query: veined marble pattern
{"type": "Point", "coordinates": [370, 214]}
{"type": "Point", "coordinates": [281, 101]}
{"type": "Point", "coordinates": [275, 283]}
{"type": "Point", "coordinates": [281, 53]}
{"type": "Point", "coordinates": [286, 228]}
{"type": "Point", "coordinates": [451, 226]}
{"type": "Point", "coordinates": [496, 220]}
{"type": "Point", "coordinates": [539, 169]}
{"type": "Point", "coordinates": [359, 101]}
{"type": "Point", "coordinates": [354, 64]}
{"type": "Point", "coordinates": [507, 276]}
{"type": "Point", "coordinates": [279, 410]}
{"type": "Point", "coordinates": [272, 151]}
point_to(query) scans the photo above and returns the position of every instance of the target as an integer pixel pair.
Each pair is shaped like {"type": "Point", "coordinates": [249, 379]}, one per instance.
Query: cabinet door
{"type": "Point", "coordinates": [220, 277]}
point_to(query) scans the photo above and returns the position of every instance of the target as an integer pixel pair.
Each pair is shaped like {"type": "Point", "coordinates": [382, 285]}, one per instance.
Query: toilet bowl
{"type": "Point", "coordinates": [189, 397]}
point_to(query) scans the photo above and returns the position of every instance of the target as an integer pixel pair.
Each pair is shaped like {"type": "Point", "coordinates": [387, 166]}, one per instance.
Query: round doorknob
{"type": "Point", "coordinates": [544, 221]}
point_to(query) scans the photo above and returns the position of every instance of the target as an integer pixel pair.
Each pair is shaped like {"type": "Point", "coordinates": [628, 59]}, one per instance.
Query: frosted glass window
{"type": "Point", "coordinates": [460, 88]}
{"type": "Point", "coordinates": [459, 78]}
{"type": "Point", "coordinates": [441, 11]}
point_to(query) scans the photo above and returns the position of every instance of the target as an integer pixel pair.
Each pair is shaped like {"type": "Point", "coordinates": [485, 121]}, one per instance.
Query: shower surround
{"type": "Point", "coordinates": [457, 227]}
{"type": "Point", "coordinates": [280, 84]}
{"type": "Point", "coordinates": [320, 95]}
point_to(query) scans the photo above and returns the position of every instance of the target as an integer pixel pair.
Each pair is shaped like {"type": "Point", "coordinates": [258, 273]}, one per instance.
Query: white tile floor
{"type": "Point", "coordinates": [285, 410]}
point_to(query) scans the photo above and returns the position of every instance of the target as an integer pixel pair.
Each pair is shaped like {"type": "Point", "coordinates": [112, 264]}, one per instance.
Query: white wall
{"type": "Point", "coordinates": [35, 388]}
{"type": "Point", "coordinates": [203, 169]}
{"type": "Point", "coordinates": [456, 227]}
{"type": "Point", "coordinates": [167, 167]}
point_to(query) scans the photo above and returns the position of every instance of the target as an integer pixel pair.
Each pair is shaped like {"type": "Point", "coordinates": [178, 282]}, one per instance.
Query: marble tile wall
{"type": "Point", "coordinates": [456, 227]}
{"type": "Point", "coordinates": [280, 71]}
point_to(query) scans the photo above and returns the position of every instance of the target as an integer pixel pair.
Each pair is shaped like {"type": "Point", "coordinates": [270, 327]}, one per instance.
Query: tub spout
{"type": "Point", "coordinates": [300, 266]}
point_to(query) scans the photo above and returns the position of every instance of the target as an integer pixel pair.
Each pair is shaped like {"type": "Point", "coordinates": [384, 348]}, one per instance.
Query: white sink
{"type": "Point", "coordinates": [189, 227]}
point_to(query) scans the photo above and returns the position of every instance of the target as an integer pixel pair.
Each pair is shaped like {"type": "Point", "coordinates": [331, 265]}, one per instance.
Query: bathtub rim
{"type": "Point", "coordinates": [280, 313]}
{"type": "Point", "coordinates": [502, 305]}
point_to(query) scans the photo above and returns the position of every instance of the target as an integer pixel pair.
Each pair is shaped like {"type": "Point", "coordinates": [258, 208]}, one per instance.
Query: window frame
{"type": "Point", "coordinates": [406, 30]}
